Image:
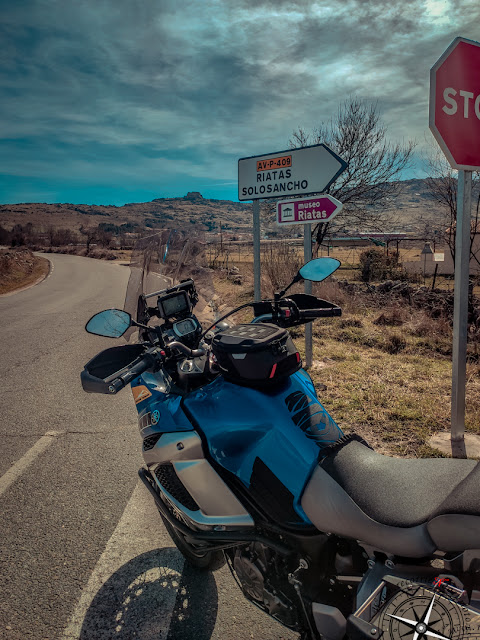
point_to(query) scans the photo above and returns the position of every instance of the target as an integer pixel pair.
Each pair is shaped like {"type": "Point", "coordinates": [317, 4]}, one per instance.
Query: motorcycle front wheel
{"type": "Point", "coordinates": [206, 560]}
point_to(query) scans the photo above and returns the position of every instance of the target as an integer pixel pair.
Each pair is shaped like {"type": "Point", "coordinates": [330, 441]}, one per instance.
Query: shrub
{"type": "Point", "coordinates": [102, 254]}
{"type": "Point", "coordinates": [395, 343]}
{"type": "Point", "coordinates": [423, 325]}
{"type": "Point", "coordinates": [279, 263]}
{"type": "Point", "coordinates": [375, 264]}
{"type": "Point", "coordinates": [335, 291]}
{"type": "Point", "coordinates": [392, 317]}
{"type": "Point", "coordinates": [350, 322]}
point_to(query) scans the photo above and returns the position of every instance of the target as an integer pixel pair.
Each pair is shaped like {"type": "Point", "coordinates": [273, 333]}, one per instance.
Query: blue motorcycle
{"type": "Point", "coordinates": [247, 467]}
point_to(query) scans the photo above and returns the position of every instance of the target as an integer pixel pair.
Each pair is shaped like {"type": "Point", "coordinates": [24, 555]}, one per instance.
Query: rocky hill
{"type": "Point", "coordinates": [192, 208]}
{"type": "Point", "coordinates": [411, 209]}
{"type": "Point", "coordinates": [414, 207]}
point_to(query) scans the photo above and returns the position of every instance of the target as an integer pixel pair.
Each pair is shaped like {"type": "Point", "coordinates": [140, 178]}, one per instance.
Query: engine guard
{"type": "Point", "coordinates": [221, 539]}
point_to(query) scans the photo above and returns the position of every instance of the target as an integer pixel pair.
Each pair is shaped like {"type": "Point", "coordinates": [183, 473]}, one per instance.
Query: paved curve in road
{"type": "Point", "coordinates": [83, 553]}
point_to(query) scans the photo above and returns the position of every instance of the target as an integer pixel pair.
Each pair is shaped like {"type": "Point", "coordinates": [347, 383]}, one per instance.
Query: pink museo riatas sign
{"type": "Point", "coordinates": [305, 211]}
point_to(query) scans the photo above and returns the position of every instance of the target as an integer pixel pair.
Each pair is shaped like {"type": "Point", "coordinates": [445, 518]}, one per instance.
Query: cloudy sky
{"type": "Point", "coordinates": [114, 101]}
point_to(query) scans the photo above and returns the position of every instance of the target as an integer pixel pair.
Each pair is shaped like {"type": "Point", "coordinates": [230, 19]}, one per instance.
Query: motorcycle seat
{"type": "Point", "coordinates": [414, 505]}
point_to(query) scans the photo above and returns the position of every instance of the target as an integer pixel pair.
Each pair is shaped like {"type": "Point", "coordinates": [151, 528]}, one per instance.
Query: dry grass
{"type": "Point", "coordinates": [394, 400]}
{"type": "Point", "coordinates": [391, 383]}
{"type": "Point", "coordinates": [20, 268]}
{"type": "Point", "coordinates": [100, 253]}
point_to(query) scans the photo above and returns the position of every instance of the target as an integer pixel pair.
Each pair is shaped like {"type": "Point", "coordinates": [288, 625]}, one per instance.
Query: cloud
{"type": "Point", "coordinates": [103, 89]}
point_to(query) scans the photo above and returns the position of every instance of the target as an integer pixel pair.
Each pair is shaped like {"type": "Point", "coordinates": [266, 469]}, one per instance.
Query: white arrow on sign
{"type": "Point", "coordinates": [308, 210]}
{"type": "Point", "coordinates": [288, 173]}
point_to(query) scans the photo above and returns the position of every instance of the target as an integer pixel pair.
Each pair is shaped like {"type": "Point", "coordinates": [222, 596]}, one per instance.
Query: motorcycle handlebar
{"type": "Point", "coordinates": [295, 310]}
{"type": "Point", "coordinates": [190, 353]}
{"type": "Point", "coordinates": [147, 361]}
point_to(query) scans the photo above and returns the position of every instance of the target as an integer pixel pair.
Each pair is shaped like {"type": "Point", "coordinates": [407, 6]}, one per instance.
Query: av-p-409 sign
{"type": "Point", "coordinates": [288, 173]}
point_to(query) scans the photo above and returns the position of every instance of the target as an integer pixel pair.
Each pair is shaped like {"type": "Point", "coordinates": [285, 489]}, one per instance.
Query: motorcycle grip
{"type": "Point", "coordinates": [111, 384]}
{"type": "Point", "coordinates": [145, 363]}
{"type": "Point", "coordinates": [313, 314]}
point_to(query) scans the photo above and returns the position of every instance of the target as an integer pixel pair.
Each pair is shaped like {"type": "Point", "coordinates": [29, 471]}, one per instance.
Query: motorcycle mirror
{"type": "Point", "coordinates": [111, 323]}
{"type": "Point", "coordinates": [315, 270]}
{"type": "Point", "coordinates": [319, 269]}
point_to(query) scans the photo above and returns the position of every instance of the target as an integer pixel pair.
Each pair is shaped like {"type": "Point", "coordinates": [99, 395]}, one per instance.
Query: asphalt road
{"type": "Point", "coordinates": [83, 553]}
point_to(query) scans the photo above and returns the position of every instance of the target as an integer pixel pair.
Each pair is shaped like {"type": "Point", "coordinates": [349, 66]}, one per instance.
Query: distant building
{"type": "Point", "coordinates": [428, 259]}
{"type": "Point", "coordinates": [193, 196]}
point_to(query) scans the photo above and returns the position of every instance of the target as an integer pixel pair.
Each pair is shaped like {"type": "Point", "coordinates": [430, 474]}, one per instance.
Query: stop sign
{"type": "Point", "coordinates": [455, 103]}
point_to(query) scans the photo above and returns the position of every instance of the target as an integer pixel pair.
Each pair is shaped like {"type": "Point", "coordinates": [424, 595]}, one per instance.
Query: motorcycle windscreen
{"type": "Point", "coordinates": [164, 259]}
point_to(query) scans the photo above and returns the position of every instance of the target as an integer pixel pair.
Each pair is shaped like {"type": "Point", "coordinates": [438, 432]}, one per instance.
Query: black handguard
{"type": "Point", "coordinates": [310, 307]}
{"type": "Point", "coordinates": [262, 308]}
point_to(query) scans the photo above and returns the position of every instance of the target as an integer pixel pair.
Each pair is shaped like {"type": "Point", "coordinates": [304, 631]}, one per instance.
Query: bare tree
{"type": "Point", "coordinates": [280, 264]}
{"type": "Point", "coordinates": [64, 236]}
{"type": "Point", "coordinates": [441, 185]}
{"type": "Point", "coordinates": [268, 211]}
{"type": "Point", "coordinates": [268, 215]}
{"type": "Point", "coordinates": [104, 237]}
{"type": "Point", "coordinates": [51, 234]}
{"type": "Point", "coordinates": [357, 134]}
{"type": "Point", "coordinates": [90, 234]}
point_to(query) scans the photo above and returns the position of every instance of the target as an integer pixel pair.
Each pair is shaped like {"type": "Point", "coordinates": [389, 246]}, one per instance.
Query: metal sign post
{"type": "Point", "coordinates": [455, 123]}
{"type": "Point", "coordinates": [289, 173]}
{"type": "Point", "coordinates": [307, 255]}
{"type": "Point", "coordinates": [257, 288]}
{"type": "Point", "coordinates": [460, 312]}
{"type": "Point", "coordinates": [321, 208]}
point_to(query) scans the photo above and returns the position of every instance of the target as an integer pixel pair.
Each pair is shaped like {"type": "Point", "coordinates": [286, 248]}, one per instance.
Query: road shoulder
{"type": "Point", "coordinates": [22, 270]}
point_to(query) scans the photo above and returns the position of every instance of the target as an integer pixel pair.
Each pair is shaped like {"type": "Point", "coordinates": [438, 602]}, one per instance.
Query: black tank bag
{"type": "Point", "coordinates": [256, 355]}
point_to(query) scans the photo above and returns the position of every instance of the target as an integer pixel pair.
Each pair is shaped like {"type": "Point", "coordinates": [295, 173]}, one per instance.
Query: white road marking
{"type": "Point", "coordinates": [133, 587]}
{"type": "Point", "coordinates": [137, 583]}
{"type": "Point", "coordinates": [25, 461]}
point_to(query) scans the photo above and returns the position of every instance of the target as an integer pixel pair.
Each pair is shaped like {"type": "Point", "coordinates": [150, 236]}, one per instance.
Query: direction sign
{"type": "Point", "coordinates": [288, 173]}
{"type": "Point", "coordinates": [305, 211]}
{"type": "Point", "coordinates": [455, 103]}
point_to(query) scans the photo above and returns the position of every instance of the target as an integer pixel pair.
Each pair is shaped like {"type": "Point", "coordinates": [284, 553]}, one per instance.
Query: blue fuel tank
{"type": "Point", "coordinates": [270, 440]}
